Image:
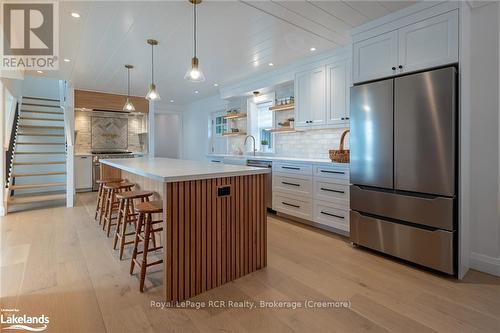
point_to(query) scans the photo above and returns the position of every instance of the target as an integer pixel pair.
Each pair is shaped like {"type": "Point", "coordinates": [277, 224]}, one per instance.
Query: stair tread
{"type": "Point", "coordinates": [41, 126]}
{"type": "Point", "coordinates": [28, 186]}
{"type": "Point", "coordinates": [43, 119]}
{"type": "Point", "coordinates": [39, 152]}
{"type": "Point", "coordinates": [41, 99]}
{"type": "Point", "coordinates": [40, 143]}
{"type": "Point", "coordinates": [43, 105]}
{"type": "Point", "coordinates": [41, 134]}
{"type": "Point", "coordinates": [39, 163]}
{"type": "Point", "coordinates": [36, 198]}
{"type": "Point", "coordinates": [43, 112]}
{"type": "Point", "coordinates": [51, 173]}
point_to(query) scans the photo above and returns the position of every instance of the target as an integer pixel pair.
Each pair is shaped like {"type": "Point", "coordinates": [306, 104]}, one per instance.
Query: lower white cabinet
{"type": "Point", "coordinates": [331, 215]}
{"type": "Point", "coordinates": [83, 172]}
{"type": "Point", "coordinates": [314, 192]}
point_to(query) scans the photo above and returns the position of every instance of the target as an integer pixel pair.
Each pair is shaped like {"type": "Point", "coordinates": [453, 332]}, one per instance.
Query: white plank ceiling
{"type": "Point", "coordinates": [236, 39]}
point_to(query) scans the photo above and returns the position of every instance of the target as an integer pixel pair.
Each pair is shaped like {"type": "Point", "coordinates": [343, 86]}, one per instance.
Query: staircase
{"type": "Point", "coordinates": [37, 173]}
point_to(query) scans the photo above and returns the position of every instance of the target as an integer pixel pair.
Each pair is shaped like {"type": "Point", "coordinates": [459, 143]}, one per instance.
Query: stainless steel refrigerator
{"type": "Point", "coordinates": [403, 167]}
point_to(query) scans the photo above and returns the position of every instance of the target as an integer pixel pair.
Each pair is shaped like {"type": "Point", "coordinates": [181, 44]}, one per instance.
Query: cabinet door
{"type": "Point", "coordinates": [318, 97]}
{"type": "Point", "coordinates": [302, 99]}
{"type": "Point", "coordinates": [337, 93]}
{"type": "Point", "coordinates": [375, 57]}
{"type": "Point", "coordinates": [429, 43]}
{"type": "Point", "coordinates": [83, 172]}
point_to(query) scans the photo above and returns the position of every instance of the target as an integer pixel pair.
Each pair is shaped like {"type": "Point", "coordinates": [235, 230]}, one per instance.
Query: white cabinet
{"type": "Point", "coordinates": [429, 43]}
{"type": "Point", "coordinates": [310, 93]}
{"type": "Point", "coordinates": [375, 57]}
{"type": "Point", "coordinates": [419, 45]}
{"type": "Point", "coordinates": [83, 172]}
{"type": "Point", "coordinates": [318, 193]}
{"type": "Point", "coordinates": [337, 92]}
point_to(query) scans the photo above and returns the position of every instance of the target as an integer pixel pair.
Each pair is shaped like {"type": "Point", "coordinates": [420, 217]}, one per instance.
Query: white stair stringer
{"type": "Point", "coordinates": [37, 175]}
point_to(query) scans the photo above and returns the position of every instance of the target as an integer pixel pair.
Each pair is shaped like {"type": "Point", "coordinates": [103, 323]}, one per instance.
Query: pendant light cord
{"type": "Point", "coordinates": [195, 19]}
{"type": "Point", "coordinates": [152, 66]}
{"type": "Point", "coordinates": [128, 83]}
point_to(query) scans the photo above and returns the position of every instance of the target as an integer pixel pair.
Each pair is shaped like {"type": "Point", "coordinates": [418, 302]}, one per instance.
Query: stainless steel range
{"type": "Point", "coordinates": [105, 154]}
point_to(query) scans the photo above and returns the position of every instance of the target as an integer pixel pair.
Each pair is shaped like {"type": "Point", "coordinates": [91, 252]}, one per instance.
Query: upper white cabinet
{"type": "Point", "coordinates": [423, 44]}
{"type": "Point", "coordinates": [429, 43]}
{"type": "Point", "coordinates": [310, 92]}
{"type": "Point", "coordinates": [322, 95]}
{"type": "Point", "coordinates": [337, 92]}
{"type": "Point", "coordinates": [375, 57]}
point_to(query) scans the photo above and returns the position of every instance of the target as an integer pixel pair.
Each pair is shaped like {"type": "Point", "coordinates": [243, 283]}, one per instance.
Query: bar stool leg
{"type": "Point", "coordinates": [107, 209]}
{"type": "Point", "coordinates": [138, 230]}
{"type": "Point", "coordinates": [110, 211]}
{"type": "Point", "coordinates": [123, 230]}
{"type": "Point", "coordinates": [119, 223]}
{"type": "Point", "coordinates": [144, 265]}
{"type": "Point", "coordinates": [99, 201]}
{"type": "Point", "coordinates": [102, 211]}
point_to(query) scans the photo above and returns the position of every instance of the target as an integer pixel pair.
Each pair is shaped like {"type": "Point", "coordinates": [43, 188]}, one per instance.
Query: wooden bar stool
{"type": "Point", "coordinates": [127, 215]}
{"type": "Point", "coordinates": [146, 222]}
{"type": "Point", "coordinates": [101, 197]}
{"type": "Point", "coordinates": [112, 189]}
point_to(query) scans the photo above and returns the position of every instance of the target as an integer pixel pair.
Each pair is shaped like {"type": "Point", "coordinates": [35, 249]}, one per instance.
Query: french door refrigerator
{"type": "Point", "coordinates": [403, 167]}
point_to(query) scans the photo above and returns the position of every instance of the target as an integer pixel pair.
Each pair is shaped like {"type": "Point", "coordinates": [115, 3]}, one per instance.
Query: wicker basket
{"type": "Point", "coordinates": [340, 155]}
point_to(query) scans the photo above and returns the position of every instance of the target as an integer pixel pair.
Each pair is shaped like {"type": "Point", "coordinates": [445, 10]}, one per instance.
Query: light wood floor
{"type": "Point", "coordinates": [58, 262]}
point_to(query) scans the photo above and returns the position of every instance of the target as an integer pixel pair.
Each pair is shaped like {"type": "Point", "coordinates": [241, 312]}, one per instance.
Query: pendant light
{"type": "Point", "coordinates": [128, 104]}
{"type": "Point", "coordinates": [194, 73]}
{"type": "Point", "coordinates": [152, 94]}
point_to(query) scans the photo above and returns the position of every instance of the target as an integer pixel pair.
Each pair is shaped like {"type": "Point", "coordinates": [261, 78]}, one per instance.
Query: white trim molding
{"type": "Point", "coordinates": [485, 263]}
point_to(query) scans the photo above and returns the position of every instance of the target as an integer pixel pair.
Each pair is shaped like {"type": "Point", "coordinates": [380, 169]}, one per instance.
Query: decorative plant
{"type": "Point", "coordinates": [264, 142]}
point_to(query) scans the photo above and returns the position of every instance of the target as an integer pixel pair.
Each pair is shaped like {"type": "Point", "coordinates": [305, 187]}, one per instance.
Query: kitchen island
{"type": "Point", "coordinates": [214, 219]}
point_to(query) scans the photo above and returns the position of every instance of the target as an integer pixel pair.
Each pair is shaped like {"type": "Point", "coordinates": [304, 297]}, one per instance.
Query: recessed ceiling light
{"type": "Point", "coordinates": [75, 15]}
{"type": "Point", "coordinates": [171, 101]}
{"type": "Point", "coordinates": [271, 64]}
{"type": "Point", "coordinates": [196, 91]}
{"type": "Point", "coordinates": [66, 60]}
{"type": "Point", "coordinates": [216, 84]}
{"type": "Point", "coordinates": [39, 72]}
{"type": "Point", "coordinates": [312, 49]}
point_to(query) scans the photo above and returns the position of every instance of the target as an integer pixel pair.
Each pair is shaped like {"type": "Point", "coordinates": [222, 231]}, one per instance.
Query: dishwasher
{"type": "Point", "coordinates": [269, 178]}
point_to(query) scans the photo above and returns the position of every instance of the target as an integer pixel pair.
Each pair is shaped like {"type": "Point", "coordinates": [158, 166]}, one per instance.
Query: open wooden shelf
{"type": "Point", "coordinates": [284, 129]}
{"type": "Point", "coordinates": [235, 116]}
{"type": "Point", "coordinates": [234, 133]}
{"type": "Point", "coordinates": [284, 107]}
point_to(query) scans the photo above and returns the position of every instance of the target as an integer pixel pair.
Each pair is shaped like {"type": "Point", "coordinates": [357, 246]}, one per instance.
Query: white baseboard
{"type": "Point", "coordinates": [485, 263]}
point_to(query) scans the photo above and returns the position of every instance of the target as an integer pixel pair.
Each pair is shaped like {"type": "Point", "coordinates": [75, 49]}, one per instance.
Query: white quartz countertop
{"type": "Point", "coordinates": [280, 158]}
{"type": "Point", "coordinates": [174, 170]}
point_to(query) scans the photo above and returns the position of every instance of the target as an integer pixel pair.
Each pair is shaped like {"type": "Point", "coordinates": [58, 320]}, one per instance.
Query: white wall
{"type": "Point", "coordinates": [195, 126]}
{"type": "Point", "coordinates": [40, 87]}
{"type": "Point", "coordinates": [485, 143]}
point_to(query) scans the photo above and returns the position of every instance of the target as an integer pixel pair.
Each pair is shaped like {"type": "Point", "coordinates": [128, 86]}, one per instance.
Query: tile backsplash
{"type": "Point", "coordinates": [135, 125]}
{"type": "Point", "coordinates": [313, 144]}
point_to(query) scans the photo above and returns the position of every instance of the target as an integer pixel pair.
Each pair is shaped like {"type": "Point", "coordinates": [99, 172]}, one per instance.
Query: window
{"type": "Point", "coordinates": [220, 125]}
{"type": "Point", "coordinates": [264, 122]}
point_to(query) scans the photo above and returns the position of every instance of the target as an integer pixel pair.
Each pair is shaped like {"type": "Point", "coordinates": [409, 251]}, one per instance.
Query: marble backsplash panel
{"type": "Point", "coordinates": [109, 133]}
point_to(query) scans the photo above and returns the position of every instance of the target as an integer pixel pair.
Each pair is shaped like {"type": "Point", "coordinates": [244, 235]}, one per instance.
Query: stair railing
{"type": "Point", "coordinates": [9, 154]}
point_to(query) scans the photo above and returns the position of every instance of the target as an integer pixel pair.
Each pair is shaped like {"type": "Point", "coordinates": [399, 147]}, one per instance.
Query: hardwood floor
{"type": "Point", "coordinates": [58, 262]}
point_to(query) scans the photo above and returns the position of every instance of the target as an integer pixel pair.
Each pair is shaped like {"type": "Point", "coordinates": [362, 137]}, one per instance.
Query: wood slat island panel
{"type": "Point", "coordinates": [213, 239]}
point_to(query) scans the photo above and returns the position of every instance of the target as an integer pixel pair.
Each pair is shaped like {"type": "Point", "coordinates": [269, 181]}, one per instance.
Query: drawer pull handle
{"type": "Point", "coordinates": [215, 161]}
{"type": "Point", "coordinates": [336, 172]}
{"type": "Point", "coordinates": [287, 183]}
{"type": "Point", "coordinates": [330, 190]}
{"type": "Point", "coordinates": [333, 215]}
{"type": "Point", "coordinates": [286, 203]}
{"type": "Point", "coordinates": [290, 168]}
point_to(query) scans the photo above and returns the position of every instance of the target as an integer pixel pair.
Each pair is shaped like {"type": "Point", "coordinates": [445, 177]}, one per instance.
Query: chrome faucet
{"type": "Point", "coordinates": [251, 136]}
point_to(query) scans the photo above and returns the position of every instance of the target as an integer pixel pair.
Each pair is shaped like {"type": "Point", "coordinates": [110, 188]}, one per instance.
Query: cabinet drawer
{"type": "Point", "coordinates": [332, 172]}
{"type": "Point", "coordinates": [331, 192]}
{"type": "Point", "coordinates": [298, 169]}
{"type": "Point", "coordinates": [326, 214]}
{"type": "Point", "coordinates": [294, 206]}
{"type": "Point", "coordinates": [300, 185]}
